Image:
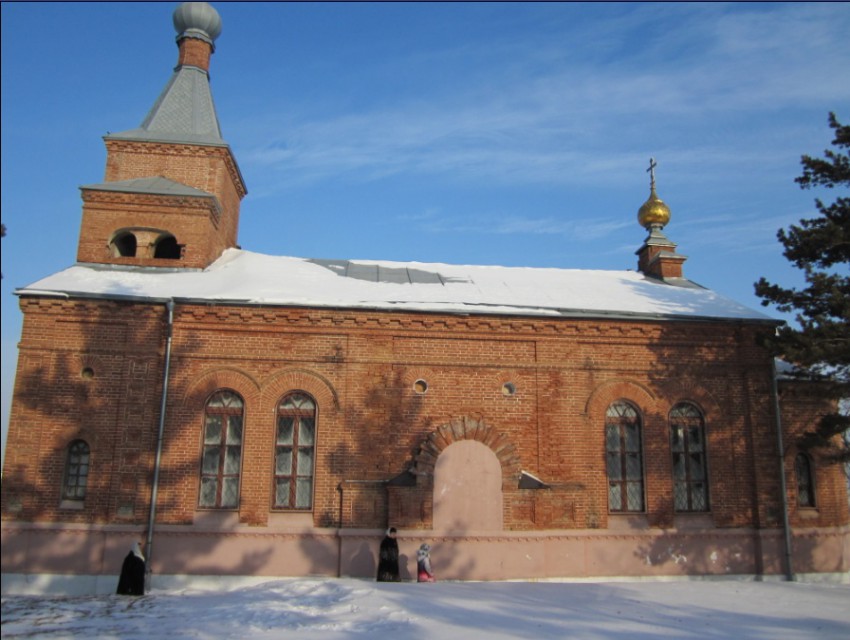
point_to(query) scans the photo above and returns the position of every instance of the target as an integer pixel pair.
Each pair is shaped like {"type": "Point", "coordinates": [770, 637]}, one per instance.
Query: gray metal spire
{"type": "Point", "coordinates": [184, 111]}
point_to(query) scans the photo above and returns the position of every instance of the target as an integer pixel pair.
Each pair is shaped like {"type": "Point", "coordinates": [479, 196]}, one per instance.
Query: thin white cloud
{"type": "Point", "coordinates": [515, 225]}
{"type": "Point", "coordinates": [579, 122]}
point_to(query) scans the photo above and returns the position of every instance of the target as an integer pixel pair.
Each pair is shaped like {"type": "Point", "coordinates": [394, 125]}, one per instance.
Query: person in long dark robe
{"type": "Point", "coordinates": [388, 558]}
{"type": "Point", "coordinates": [132, 579]}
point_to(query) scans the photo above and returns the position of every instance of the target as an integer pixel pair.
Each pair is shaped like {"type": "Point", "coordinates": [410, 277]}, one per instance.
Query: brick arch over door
{"type": "Point", "coordinates": [466, 428]}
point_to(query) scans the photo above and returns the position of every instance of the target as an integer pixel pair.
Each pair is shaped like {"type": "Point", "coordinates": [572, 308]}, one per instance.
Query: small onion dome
{"type": "Point", "coordinates": [198, 20]}
{"type": "Point", "coordinates": [653, 212]}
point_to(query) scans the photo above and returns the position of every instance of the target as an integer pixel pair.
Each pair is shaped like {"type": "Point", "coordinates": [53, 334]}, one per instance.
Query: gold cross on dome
{"type": "Point", "coordinates": [651, 170]}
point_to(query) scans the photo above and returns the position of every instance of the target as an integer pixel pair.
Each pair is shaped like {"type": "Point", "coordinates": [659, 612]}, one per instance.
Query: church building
{"type": "Point", "coordinates": [251, 416]}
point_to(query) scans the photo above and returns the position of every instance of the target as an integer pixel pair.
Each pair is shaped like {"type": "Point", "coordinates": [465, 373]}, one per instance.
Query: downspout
{"type": "Point", "coordinates": [774, 389]}
{"type": "Point", "coordinates": [169, 305]}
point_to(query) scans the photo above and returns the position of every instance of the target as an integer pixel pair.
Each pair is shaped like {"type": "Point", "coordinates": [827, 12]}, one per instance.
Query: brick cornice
{"type": "Point", "coordinates": [146, 147]}
{"type": "Point", "coordinates": [208, 203]}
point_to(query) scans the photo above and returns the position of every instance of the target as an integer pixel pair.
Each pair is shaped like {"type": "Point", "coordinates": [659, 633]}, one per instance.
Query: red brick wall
{"type": "Point", "coordinates": [194, 222]}
{"type": "Point", "coordinates": [115, 411]}
{"type": "Point", "coordinates": [206, 233]}
{"type": "Point", "coordinates": [361, 366]}
{"type": "Point", "coordinates": [802, 405]}
{"type": "Point", "coordinates": [195, 52]}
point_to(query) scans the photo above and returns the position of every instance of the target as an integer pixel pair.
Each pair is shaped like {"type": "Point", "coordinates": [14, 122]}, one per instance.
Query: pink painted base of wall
{"type": "Point", "coordinates": [540, 555]}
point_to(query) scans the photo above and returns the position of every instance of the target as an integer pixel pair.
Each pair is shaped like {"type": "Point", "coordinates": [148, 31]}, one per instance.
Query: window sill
{"type": "Point", "coordinates": [72, 505]}
{"type": "Point", "coordinates": [693, 520]}
{"type": "Point", "coordinates": [627, 521]}
{"type": "Point", "coordinates": [216, 518]}
{"type": "Point", "coordinates": [291, 519]}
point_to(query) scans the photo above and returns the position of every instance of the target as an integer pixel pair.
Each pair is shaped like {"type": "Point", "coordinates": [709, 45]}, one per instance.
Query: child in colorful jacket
{"type": "Point", "coordinates": [423, 564]}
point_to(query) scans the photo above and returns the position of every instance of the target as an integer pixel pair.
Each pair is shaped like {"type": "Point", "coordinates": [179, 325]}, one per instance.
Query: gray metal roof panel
{"type": "Point", "coordinates": [183, 112]}
{"type": "Point", "coordinates": [156, 185]}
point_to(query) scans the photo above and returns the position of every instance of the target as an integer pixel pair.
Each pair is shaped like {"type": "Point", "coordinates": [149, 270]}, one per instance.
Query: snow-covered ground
{"type": "Point", "coordinates": [350, 608]}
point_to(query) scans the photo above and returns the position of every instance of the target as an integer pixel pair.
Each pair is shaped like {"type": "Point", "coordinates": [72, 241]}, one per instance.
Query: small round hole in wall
{"type": "Point", "coordinates": [508, 389]}
{"type": "Point", "coordinates": [420, 386]}
{"type": "Point", "coordinates": [87, 373]}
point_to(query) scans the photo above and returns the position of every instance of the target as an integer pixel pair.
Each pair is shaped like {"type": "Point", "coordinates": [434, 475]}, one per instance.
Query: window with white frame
{"type": "Point", "coordinates": [221, 458]}
{"type": "Point", "coordinates": [687, 445]}
{"type": "Point", "coordinates": [295, 452]}
{"type": "Point", "coordinates": [624, 458]}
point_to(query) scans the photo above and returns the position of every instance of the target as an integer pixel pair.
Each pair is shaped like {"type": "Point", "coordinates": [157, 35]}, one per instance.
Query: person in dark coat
{"type": "Point", "coordinates": [424, 572]}
{"type": "Point", "coordinates": [132, 580]}
{"type": "Point", "coordinates": [388, 558]}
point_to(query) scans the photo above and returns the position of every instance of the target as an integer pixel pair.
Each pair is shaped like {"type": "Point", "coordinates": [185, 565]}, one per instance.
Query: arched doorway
{"type": "Point", "coordinates": [468, 488]}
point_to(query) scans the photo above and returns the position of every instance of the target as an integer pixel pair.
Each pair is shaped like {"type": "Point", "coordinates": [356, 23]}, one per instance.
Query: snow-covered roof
{"type": "Point", "coordinates": [243, 277]}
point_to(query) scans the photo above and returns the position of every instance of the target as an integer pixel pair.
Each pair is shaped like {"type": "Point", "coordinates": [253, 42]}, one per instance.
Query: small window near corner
{"type": "Point", "coordinates": [87, 373]}
{"type": "Point", "coordinates": [805, 481]}
{"type": "Point", "coordinates": [76, 472]}
{"type": "Point", "coordinates": [508, 389]}
{"type": "Point", "coordinates": [420, 386]}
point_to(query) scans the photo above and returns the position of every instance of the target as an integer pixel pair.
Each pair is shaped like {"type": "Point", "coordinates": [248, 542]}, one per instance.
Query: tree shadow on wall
{"type": "Point", "coordinates": [93, 371]}
{"type": "Point", "coordinates": [382, 433]}
{"type": "Point", "coordinates": [723, 371]}
{"type": "Point", "coordinates": [379, 432]}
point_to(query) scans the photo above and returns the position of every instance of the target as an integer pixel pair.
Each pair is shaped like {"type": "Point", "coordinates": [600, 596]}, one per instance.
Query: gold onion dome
{"type": "Point", "coordinates": [653, 212]}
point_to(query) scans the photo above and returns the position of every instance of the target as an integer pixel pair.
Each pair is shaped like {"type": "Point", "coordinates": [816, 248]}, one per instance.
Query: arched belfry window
{"type": "Point", "coordinates": [123, 245]}
{"type": "Point", "coordinates": [295, 452]}
{"type": "Point", "coordinates": [805, 481]}
{"type": "Point", "coordinates": [624, 458]}
{"type": "Point", "coordinates": [166, 247]}
{"type": "Point", "coordinates": [687, 445]}
{"type": "Point", "coordinates": [76, 471]}
{"type": "Point", "coordinates": [221, 459]}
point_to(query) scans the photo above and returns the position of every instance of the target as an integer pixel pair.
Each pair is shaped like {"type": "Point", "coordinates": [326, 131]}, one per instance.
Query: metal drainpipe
{"type": "Point", "coordinates": [789, 571]}
{"type": "Point", "coordinates": [169, 305]}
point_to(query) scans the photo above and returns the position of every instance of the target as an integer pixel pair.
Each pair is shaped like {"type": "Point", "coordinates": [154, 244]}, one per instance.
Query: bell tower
{"type": "Point", "coordinates": [172, 188]}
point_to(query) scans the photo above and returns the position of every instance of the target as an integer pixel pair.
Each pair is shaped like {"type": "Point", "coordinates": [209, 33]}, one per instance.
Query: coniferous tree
{"type": "Point", "coordinates": [819, 346]}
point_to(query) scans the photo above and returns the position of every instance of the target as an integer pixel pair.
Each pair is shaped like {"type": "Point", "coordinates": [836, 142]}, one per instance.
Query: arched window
{"type": "Point", "coordinates": [76, 471]}
{"type": "Point", "coordinates": [687, 444]}
{"type": "Point", "coordinates": [166, 247]}
{"type": "Point", "coordinates": [124, 245]}
{"type": "Point", "coordinates": [295, 452]}
{"type": "Point", "coordinates": [222, 451]}
{"type": "Point", "coordinates": [624, 458]}
{"type": "Point", "coordinates": [805, 480]}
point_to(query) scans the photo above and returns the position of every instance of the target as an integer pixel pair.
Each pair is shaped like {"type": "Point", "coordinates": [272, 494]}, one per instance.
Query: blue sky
{"type": "Point", "coordinates": [515, 134]}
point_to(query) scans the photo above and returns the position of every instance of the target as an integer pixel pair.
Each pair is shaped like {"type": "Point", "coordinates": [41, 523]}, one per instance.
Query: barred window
{"type": "Point", "coordinates": [805, 481]}
{"type": "Point", "coordinates": [687, 445]}
{"type": "Point", "coordinates": [76, 471]}
{"type": "Point", "coordinates": [624, 456]}
{"type": "Point", "coordinates": [221, 460]}
{"type": "Point", "coordinates": [295, 452]}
